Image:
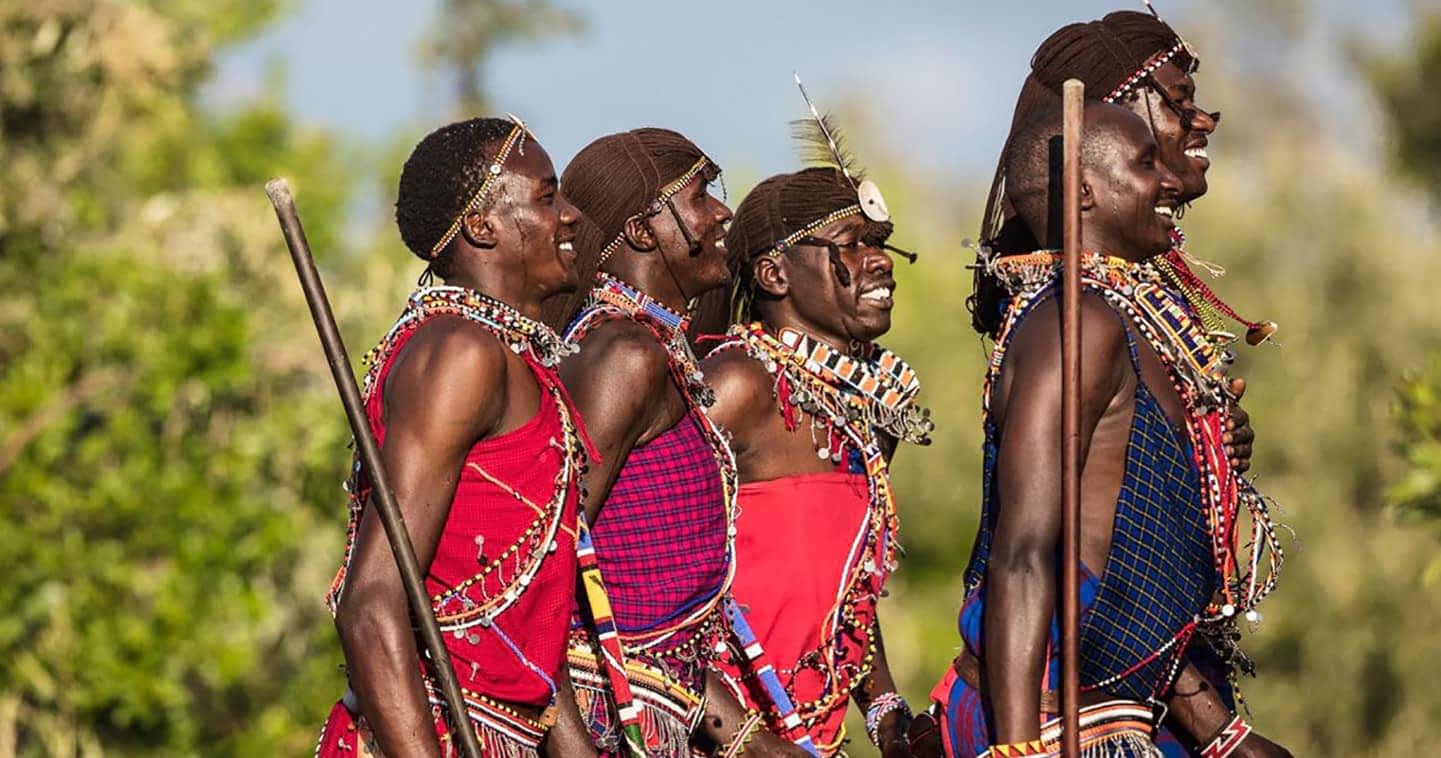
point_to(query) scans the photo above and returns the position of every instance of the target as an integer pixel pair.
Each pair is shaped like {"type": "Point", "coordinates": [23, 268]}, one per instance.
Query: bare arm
{"type": "Point", "coordinates": [725, 716]}
{"type": "Point", "coordinates": [1197, 708]}
{"type": "Point", "coordinates": [445, 392]}
{"type": "Point", "coordinates": [618, 382]}
{"type": "Point", "coordinates": [1021, 587]}
{"type": "Point", "coordinates": [569, 737]}
{"type": "Point", "coordinates": [894, 725]}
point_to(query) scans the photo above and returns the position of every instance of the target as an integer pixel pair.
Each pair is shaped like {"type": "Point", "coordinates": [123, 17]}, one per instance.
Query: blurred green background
{"type": "Point", "coordinates": [171, 448]}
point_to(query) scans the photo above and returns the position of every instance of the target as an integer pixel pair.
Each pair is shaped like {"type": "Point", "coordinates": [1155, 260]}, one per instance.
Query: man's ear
{"type": "Point", "coordinates": [1088, 196]}
{"type": "Point", "coordinates": [638, 232]}
{"type": "Point", "coordinates": [478, 229]}
{"type": "Point", "coordinates": [770, 276]}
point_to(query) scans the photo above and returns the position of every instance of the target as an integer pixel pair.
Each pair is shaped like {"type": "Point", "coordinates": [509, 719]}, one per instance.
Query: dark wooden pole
{"type": "Point", "coordinates": [1073, 118]}
{"type": "Point", "coordinates": [384, 499]}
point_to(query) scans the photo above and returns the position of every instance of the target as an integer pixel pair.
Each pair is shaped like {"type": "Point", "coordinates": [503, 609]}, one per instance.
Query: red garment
{"type": "Point", "coordinates": [803, 529]}
{"type": "Point", "coordinates": [486, 519]}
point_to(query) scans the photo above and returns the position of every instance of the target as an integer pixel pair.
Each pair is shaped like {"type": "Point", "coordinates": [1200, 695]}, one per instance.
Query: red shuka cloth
{"type": "Point", "coordinates": [794, 538]}
{"type": "Point", "coordinates": [538, 622]}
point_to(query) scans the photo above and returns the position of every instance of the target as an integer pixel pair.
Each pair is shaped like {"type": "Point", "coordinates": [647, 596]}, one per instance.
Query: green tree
{"type": "Point", "coordinates": [1402, 82]}
{"type": "Point", "coordinates": [168, 451]}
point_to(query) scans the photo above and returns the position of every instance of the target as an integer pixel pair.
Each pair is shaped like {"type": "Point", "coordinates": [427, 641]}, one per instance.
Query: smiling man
{"type": "Point", "coordinates": [1153, 539]}
{"type": "Point", "coordinates": [661, 496]}
{"type": "Point", "coordinates": [485, 455]}
{"type": "Point", "coordinates": [815, 409]}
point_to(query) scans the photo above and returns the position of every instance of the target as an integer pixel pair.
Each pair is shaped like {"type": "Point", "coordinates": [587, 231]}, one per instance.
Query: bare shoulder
{"type": "Point", "coordinates": [450, 369]}
{"type": "Point", "coordinates": [742, 386]}
{"type": "Point", "coordinates": [618, 353]}
{"type": "Point", "coordinates": [1103, 334]}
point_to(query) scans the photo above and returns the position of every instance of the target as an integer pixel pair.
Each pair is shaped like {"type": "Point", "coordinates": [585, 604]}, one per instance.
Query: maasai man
{"type": "Point", "coordinates": [1138, 61]}
{"type": "Point", "coordinates": [1157, 533]}
{"type": "Point", "coordinates": [661, 498]}
{"type": "Point", "coordinates": [485, 454]}
{"type": "Point", "coordinates": [815, 408]}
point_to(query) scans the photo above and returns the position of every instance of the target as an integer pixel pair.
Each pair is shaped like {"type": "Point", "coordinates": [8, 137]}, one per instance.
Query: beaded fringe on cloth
{"type": "Point", "coordinates": [499, 732]}
{"type": "Point", "coordinates": [669, 712]}
{"type": "Point", "coordinates": [1115, 729]}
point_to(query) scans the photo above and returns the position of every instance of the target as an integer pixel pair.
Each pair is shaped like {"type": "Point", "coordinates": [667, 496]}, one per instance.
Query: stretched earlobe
{"type": "Point", "coordinates": [1088, 197]}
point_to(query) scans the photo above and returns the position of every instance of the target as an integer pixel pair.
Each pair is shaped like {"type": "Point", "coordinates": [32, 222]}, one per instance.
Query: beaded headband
{"type": "Point", "coordinates": [806, 231]}
{"type": "Point", "coordinates": [1154, 62]}
{"type": "Point", "coordinates": [516, 137]}
{"type": "Point", "coordinates": [666, 193]}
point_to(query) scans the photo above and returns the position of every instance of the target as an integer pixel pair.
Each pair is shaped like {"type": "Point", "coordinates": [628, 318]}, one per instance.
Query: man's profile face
{"type": "Point", "coordinates": [1182, 141]}
{"type": "Point", "coordinates": [858, 308]}
{"type": "Point", "coordinates": [539, 222]}
{"type": "Point", "coordinates": [705, 218]}
{"type": "Point", "coordinates": [1135, 194]}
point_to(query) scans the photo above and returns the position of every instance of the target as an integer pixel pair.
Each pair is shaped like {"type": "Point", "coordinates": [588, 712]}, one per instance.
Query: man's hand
{"type": "Point", "coordinates": [892, 733]}
{"type": "Point", "coordinates": [1239, 435]}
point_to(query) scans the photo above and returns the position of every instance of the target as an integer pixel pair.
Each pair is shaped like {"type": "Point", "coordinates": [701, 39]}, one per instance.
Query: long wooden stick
{"type": "Point", "coordinates": [1073, 119]}
{"type": "Point", "coordinates": [385, 506]}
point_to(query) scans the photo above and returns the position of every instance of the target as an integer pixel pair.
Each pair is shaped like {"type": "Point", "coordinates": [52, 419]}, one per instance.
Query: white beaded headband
{"type": "Point", "coordinates": [516, 137]}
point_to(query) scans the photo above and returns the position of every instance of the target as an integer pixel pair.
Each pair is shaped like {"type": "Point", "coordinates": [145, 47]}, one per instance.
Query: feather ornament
{"type": "Point", "coordinates": [820, 140]}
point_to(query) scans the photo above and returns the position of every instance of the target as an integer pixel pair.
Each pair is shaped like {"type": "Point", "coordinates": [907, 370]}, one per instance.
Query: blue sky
{"type": "Point", "coordinates": [942, 76]}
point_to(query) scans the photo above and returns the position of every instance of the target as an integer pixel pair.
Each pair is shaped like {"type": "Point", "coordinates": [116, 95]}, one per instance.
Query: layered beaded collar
{"type": "Point", "coordinates": [524, 336]}
{"type": "Point", "coordinates": [668, 326]}
{"type": "Point", "coordinates": [871, 385]}
{"type": "Point", "coordinates": [1137, 289]}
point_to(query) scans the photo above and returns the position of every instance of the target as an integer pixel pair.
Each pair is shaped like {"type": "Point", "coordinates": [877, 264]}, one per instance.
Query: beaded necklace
{"type": "Point", "coordinates": [612, 297]}
{"type": "Point", "coordinates": [1198, 374]}
{"type": "Point", "coordinates": [471, 603]}
{"type": "Point", "coordinates": [848, 417]}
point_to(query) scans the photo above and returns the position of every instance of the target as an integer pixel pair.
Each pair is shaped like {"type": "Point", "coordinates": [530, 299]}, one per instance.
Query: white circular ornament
{"type": "Point", "coordinates": [873, 205]}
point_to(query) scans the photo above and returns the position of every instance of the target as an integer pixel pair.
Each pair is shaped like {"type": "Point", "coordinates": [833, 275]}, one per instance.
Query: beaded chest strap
{"type": "Point", "coordinates": [1198, 374]}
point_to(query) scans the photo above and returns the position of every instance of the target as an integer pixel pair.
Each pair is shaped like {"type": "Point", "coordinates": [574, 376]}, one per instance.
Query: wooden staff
{"type": "Point", "coordinates": [1073, 119]}
{"type": "Point", "coordinates": [384, 500]}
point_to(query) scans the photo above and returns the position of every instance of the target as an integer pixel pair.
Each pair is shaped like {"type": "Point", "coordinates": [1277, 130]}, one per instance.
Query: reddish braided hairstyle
{"type": "Point", "coordinates": [610, 180]}
{"type": "Point", "coordinates": [1102, 54]}
{"type": "Point", "coordinates": [775, 209]}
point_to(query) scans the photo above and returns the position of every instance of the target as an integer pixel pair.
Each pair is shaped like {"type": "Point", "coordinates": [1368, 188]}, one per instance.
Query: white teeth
{"type": "Point", "coordinates": [568, 247]}
{"type": "Point", "coordinates": [720, 244]}
{"type": "Point", "coordinates": [1197, 152]}
{"type": "Point", "coordinates": [879, 293]}
{"type": "Point", "coordinates": [1162, 210]}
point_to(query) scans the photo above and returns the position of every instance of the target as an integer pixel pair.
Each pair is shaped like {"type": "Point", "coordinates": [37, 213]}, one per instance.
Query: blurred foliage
{"type": "Point", "coordinates": [170, 449]}
{"type": "Point", "coordinates": [1404, 84]}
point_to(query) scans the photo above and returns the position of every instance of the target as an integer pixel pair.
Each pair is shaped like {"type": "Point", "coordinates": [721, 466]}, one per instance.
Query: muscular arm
{"type": "Point", "coordinates": [616, 382]}
{"type": "Point", "coordinates": [893, 727]}
{"type": "Point", "coordinates": [446, 391]}
{"type": "Point", "coordinates": [1021, 578]}
{"type": "Point", "coordinates": [619, 382]}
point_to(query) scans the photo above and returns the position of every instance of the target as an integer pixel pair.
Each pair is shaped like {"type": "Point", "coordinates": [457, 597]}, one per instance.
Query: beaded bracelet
{"type": "Point", "coordinates": [1230, 738]}
{"type": "Point", "coordinates": [883, 704]}
{"type": "Point", "coordinates": [743, 736]}
{"type": "Point", "coordinates": [1010, 750]}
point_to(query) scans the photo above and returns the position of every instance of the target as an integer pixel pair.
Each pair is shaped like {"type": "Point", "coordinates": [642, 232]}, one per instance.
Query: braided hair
{"type": "Point", "coordinates": [440, 177]}
{"type": "Point", "coordinates": [775, 209]}
{"type": "Point", "coordinates": [610, 180]}
{"type": "Point", "coordinates": [1102, 54]}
